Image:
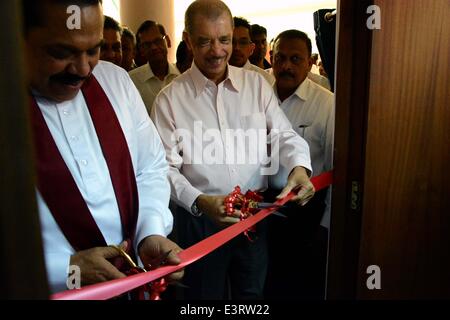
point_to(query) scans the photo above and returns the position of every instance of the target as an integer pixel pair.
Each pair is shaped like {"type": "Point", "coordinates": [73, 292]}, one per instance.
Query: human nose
{"type": "Point", "coordinates": [215, 47]}
{"type": "Point", "coordinates": [81, 66]}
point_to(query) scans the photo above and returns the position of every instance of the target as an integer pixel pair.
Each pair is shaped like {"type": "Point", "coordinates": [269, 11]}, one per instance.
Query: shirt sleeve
{"type": "Point", "coordinates": [151, 173]}
{"type": "Point", "coordinates": [183, 193]}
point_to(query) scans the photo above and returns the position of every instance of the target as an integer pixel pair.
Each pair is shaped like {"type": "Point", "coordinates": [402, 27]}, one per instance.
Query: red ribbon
{"type": "Point", "coordinates": [111, 289]}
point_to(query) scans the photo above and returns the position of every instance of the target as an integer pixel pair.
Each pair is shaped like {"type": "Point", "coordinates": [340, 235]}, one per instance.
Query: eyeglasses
{"type": "Point", "coordinates": [159, 42]}
{"type": "Point", "coordinates": [241, 42]}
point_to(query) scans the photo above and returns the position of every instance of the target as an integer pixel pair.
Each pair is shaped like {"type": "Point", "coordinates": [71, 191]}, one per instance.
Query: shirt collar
{"type": "Point", "coordinates": [302, 91]}
{"type": "Point", "coordinates": [148, 72]}
{"type": "Point", "coordinates": [232, 79]}
{"type": "Point", "coordinates": [247, 65]}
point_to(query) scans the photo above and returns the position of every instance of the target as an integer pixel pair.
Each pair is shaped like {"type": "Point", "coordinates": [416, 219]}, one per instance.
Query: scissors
{"type": "Point", "coordinates": [159, 261]}
{"type": "Point", "coordinates": [268, 205]}
{"type": "Point", "coordinates": [155, 263]}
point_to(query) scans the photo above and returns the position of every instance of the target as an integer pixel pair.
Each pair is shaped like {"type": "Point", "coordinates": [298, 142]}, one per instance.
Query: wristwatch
{"type": "Point", "coordinates": [195, 211]}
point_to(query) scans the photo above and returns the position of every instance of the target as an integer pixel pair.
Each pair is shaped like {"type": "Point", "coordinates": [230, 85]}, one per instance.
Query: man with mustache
{"type": "Point", "coordinates": [243, 48]}
{"type": "Point", "coordinates": [215, 97]}
{"type": "Point", "coordinates": [158, 72]}
{"type": "Point", "coordinates": [310, 109]}
{"type": "Point", "coordinates": [101, 169]}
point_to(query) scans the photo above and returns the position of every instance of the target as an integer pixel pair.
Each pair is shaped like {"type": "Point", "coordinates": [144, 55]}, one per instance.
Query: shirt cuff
{"type": "Point", "coordinates": [57, 265]}
{"type": "Point", "coordinates": [150, 226]}
{"type": "Point", "coordinates": [188, 196]}
{"type": "Point", "coordinates": [299, 161]}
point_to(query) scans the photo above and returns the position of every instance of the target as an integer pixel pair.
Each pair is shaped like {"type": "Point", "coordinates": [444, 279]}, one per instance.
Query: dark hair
{"type": "Point", "coordinates": [127, 33]}
{"type": "Point", "coordinates": [112, 24]}
{"type": "Point", "coordinates": [34, 17]}
{"type": "Point", "coordinates": [256, 29]}
{"type": "Point", "coordinates": [147, 25]}
{"type": "Point", "coordinates": [242, 22]}
{"type": "Point", "coordinates": [295, 34]}
{"type": "Point", "coordinates": [211, 9]}
{"type": "Point", "coordinates": [182, 50]}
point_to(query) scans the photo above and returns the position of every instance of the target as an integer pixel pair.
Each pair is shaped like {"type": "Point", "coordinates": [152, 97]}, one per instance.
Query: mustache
{"type": "Point", "coordinates": [286, 74]}
{"type": "Point", "coordinates": [67, 78]}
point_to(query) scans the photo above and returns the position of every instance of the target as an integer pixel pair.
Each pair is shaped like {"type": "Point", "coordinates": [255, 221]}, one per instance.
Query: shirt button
{"type": "Point", "coordinates": [84, 162]}
{"type": "Point", "coordinates": [74, 138]}
{"type": "Point", "coordinates": [66, 112]}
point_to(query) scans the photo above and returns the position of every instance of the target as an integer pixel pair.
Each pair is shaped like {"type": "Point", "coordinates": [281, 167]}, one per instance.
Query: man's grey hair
{"type": "Point", "coordinates": [210, 9]}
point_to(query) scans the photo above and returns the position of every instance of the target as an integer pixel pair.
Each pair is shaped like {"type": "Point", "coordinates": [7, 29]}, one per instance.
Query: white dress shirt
{"type": "Point", "coordinates": [72, 129]}
{"type": "Point", "coordinates": [310, 109]}
{"type": "Point", "coordinates": [267, 75]}
{"type": "Point", "coordinates": [315, 69]}
{"type": "Point", "coordinates": [194, 106]}
{"type": "Point", "coordinates": [150, 85]}
{"type": "Point", "coordinates": [320, 80]}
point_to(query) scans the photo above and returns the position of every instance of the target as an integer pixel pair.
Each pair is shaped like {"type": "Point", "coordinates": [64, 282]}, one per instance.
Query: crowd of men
{"type": "Point", "coordinates": [117, 129]}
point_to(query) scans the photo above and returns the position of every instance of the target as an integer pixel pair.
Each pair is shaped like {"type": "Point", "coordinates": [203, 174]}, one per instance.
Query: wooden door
{"type": "Point", "coordinates": [393, 149]}
{"type": "Point", "coordinates": [406, 210]}
{"type": "Point", "coordinates": [22, 267]}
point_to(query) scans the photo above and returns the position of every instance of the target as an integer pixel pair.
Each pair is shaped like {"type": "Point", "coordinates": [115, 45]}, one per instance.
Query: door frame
{"type": "Point", "coordinates": [353, 48]}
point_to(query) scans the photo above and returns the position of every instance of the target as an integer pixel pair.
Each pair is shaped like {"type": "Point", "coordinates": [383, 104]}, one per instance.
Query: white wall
{"type": "Point", "coordinates": [275, 15]}
{"type": "Point", "coordinates": [112, 8]}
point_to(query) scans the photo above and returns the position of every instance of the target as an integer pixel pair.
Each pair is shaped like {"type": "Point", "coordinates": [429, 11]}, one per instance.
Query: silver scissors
{"type": "Point", "coordinates": [268, 205]}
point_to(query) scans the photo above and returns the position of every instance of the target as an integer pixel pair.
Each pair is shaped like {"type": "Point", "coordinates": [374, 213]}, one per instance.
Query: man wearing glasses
{"type": "Point", "coordinates": [150, 78]}
{"type": "Point", "coordinates": [243, 48]}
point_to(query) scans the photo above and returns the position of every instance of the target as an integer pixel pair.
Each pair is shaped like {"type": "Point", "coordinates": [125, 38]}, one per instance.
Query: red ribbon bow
{"type": "Point", "coordinates": [246, 203]}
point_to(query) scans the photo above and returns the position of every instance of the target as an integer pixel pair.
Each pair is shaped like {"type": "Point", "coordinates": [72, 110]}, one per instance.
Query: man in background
{"type": "Point", "coordinates": [111, 49]}
{"type": "Point", "coordinates": [310, 109]}
{"type": "Point", "coordinates": [243, 48]}
{"type": "Point", "coordinates": [128, 49]}
{"type": "Point", "coordinates": [158, 72]}
{"type": "Point", "coordinates": [258, 35]}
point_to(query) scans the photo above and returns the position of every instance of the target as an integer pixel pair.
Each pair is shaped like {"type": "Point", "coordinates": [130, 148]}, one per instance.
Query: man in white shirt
{"type": "Point", "coordinates": [158, 72]}
{"type": "Point", "coordinates": [215, 121]}
{"type": "Point", "coordinates": [101, 168]}
{"type": "Point", "coordinates": [310, 109]}
{"type": "Point", "coordinates": [243, 48]}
